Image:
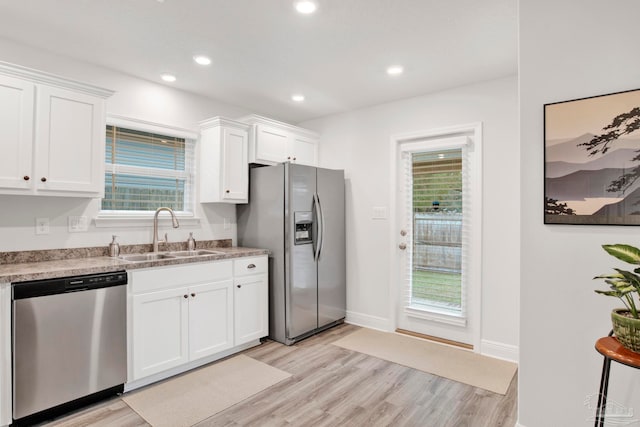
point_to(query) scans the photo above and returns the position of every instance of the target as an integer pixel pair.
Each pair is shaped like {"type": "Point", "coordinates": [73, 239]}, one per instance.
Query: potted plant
{"type": "Point", "coordinates": [625, 285]}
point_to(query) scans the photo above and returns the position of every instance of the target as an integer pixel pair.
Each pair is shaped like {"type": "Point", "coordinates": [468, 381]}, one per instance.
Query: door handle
{"type": "Point", "coordinates": [316, 240]}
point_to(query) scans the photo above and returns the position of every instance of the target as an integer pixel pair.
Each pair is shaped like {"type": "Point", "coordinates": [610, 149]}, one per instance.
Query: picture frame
{"type": "Point", "coordinates": [592, 160]}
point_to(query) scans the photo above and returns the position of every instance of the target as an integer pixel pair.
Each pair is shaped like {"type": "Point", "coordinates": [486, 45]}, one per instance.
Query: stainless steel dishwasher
{"type": "Point", "coordinates": [69, 343]}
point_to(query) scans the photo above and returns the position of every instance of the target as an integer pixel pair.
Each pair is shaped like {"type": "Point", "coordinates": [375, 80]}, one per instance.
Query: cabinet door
{"type": "Point", "coordinates": [70, 141]}
{"type": "Point", "coordinates": [16, 133]}
{"type": "Point", "coordinates": [251, 308]}
{"type": "Point", "coordinates": [160, 331]}
{"type": "Point", "coordinates": [210, 318]}
{"type": "Point", "coordinates": [304, 150]}
{"type": "Point", "coordinates": [271, 145]}
{"type": "Point", "coordinates": [235, 166]}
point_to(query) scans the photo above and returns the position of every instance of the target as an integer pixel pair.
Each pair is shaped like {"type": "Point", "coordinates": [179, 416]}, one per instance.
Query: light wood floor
{"type": "Point", "coordinates": [333, 386]}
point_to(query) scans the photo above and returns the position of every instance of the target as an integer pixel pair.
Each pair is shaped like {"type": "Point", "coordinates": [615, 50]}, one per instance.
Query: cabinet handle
{"type": "Point", "coordinates": [186, 296]}
{"type": "Point", "coordinates": [227, 191]}
{"type": "Point", "coordinates": [43, 179]}
{"type": "Point", "coordinates": [193, 294]}
{"type": "Point", "coordinates": [251, 266]}
{"type": "Point", "coordinates": [289, 158]}
{"type": "Point", "coordinates": [26, 178]}
{"type": "Point", "coordinates": [239, 286]}
{"type": "Point", "coordinates": [294, 159]}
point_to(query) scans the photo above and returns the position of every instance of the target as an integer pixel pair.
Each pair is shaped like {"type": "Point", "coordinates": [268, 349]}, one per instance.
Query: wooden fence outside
{"type": "Point", "coordinates": [437, 243]}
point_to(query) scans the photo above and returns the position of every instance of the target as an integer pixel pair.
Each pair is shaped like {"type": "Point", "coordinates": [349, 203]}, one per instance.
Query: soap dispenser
{"type": "Point", "coordinates": [191, 243]}
{"type": "Point", "coordinates": [114, 247]}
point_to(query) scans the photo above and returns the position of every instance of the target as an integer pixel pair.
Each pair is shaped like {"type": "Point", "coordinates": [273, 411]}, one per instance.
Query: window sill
{"type": "Point", "coordinates": [110, 220]}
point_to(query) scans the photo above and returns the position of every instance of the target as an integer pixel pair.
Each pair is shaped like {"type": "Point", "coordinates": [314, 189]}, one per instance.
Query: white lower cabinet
{"type": "Point", "coordinates": [173, 327]}
{"type": "Point", "coordinates": [251, 314]}
{"type": "Point", "coordinates": [181, 314]}
{"type": "Point", "coordinates": [210, 304]}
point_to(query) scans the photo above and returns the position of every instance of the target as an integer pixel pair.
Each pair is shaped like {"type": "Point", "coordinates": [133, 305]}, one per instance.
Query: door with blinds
{"type": "Point", "coordinates": [438, 290]}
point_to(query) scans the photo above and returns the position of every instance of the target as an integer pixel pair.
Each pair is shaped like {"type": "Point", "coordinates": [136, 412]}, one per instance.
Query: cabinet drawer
{"type": "Point", "coordinates": [250, 265]}
{"type": "Point", "coordinates": [167, 277]}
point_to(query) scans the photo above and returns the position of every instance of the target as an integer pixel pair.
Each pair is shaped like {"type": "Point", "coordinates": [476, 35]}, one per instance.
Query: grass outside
{"type": "Point", "coordinates": [437, 288]}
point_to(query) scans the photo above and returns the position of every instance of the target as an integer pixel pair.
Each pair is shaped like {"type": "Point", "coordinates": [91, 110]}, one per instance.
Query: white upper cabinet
{"type": "Point", "coordinates": [70, 142]}
{"type": "Point", "coordinates": [52, 134]}
{"type": "Point", "coordinates": [224, 164]}
{"type": "Point", "coordinates": [272, 142]}
{"type": "Point", "coordinates": [16, 133]}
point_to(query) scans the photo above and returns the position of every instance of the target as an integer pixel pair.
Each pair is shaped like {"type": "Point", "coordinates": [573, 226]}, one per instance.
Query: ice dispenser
{"type": "Point", "coordinates": [303, 223]}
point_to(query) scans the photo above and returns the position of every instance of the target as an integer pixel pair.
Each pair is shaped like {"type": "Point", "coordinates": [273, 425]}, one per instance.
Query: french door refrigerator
{"type": "Point", "coordinates": [297, 212]}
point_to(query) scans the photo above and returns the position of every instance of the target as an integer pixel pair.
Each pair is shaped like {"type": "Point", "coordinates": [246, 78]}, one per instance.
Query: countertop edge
{"type": "Point", "coordinates": [11, 273]}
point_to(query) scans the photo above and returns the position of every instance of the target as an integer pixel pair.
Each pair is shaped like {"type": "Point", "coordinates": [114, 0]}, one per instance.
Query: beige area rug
{"type": "Point", "coordinates": [195, 396]}
{"type": "Point", "coordinates": [445, 361]}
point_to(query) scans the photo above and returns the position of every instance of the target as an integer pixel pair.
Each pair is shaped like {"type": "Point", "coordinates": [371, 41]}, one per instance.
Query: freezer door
{"type": "Point", "coordinates": [332, 298]}
{"type": "Point", "coordinates": [301, 287]}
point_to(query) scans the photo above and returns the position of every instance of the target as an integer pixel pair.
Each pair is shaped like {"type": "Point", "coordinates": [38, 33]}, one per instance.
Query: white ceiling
{"type": "Point", "coordinates": [263, 51]}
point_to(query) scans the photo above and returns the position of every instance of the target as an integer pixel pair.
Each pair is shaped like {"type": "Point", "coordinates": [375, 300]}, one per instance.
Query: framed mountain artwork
{"type": "Point", "coordinates": [592, 160]}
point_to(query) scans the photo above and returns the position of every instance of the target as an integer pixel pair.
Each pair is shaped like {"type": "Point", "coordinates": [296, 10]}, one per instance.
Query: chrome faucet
{"type": "Point", "coordinates": [155, 227]}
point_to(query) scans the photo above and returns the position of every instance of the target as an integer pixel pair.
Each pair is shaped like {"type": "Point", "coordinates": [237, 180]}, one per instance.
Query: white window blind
{"type": "Point", "coordinates": [437, 192]}
{"type": "Point", "coordinates": [145, 171]}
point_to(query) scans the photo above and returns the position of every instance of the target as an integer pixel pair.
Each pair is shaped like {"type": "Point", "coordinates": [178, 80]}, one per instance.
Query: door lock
{"type": "Point", "coordinates": [403, 232]}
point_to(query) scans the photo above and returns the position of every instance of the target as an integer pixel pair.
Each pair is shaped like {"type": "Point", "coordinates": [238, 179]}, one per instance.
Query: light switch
{"type": "Point", "coordinates": [379, 212]}
{"type": "Point", "coordinates": [42, 225]}
{"type": "Point", "coordinates": [78, 224]}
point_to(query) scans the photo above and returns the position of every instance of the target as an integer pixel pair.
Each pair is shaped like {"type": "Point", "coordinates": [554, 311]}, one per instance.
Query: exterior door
{"type": "Point", "coordinates": [437, 218]}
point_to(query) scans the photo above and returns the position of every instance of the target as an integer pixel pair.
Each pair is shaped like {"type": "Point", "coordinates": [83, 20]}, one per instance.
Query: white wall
{"type": "Point", "coordinates": [134, 98]}
{"type": "Point", "coordinates": [359, 142]}
{"type": "Point", "coordinates": [568, 50]}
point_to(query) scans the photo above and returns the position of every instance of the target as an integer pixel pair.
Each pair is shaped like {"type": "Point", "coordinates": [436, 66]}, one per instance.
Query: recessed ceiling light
{"type": "Point", "coordinates": [395, 70]}
{"type": "Point", "coordinates": [297, 98]}
{"type": "Point", "coordinates": [202, 60]}
{"type": "Point", "coordinates": [305, 6]}
{"type": "Point", "coordinates": [168, 77]}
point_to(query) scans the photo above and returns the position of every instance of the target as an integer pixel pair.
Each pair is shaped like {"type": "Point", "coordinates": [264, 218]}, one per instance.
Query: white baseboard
{"type": "Point", "coordinates": [500, 350]}
{"type": "Point", "coordinates": [368, 321]}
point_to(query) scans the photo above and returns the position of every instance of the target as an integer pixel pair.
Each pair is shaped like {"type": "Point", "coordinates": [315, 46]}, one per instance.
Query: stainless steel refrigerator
{"type": "Point", "coordinates": [297, 212]}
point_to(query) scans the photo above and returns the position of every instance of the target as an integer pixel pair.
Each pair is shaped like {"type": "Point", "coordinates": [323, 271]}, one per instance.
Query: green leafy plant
{"type": "Point", "coordinates": [624, 284]}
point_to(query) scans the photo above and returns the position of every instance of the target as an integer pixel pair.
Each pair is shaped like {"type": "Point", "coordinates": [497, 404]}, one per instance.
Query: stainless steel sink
{"type": "Point", "coordinates": [199, 252]}
{"type": "Point", "coordinates": [145, 257]}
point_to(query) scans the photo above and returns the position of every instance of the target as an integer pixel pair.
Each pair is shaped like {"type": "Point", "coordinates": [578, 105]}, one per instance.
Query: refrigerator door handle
{"type": "Point", "coordinates": [320, 227]}
{"type": "Point", "coordinates": [318, 215]}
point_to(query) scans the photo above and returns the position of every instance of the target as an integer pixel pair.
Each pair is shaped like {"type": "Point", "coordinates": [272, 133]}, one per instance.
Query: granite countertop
{"type": "Point", "coordinates": [34, 265]}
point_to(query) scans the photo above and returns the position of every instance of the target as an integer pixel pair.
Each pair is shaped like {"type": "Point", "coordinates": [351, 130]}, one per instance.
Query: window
{"type": "Point", "coordinates": [437, 216]}
{"type": "Point", "coordinates": [147, 170]}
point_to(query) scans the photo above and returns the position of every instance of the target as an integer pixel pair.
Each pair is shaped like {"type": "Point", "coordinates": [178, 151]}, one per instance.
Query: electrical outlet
{"type": "Point", "coordinates": [78, 224]}
{"type": "Point", "coordinates": [42, 225]}
{"type": "Point", "coordinates": [227, 224]}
